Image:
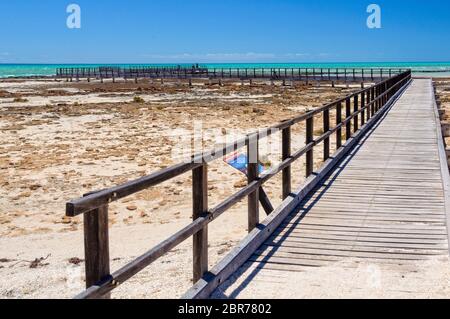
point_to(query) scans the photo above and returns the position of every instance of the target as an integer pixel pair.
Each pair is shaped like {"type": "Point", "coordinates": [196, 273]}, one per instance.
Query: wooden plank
{"type": "Point", "coordinates": [286, 263]}
{"type": "Point", "coordinates": [356, 242]}
{"type": "Point", "coordinates": [350, 253]}
{"type": "Point", "coordinates": [368, 216]}
{"type": "Point", "coordinates": [327, 233]}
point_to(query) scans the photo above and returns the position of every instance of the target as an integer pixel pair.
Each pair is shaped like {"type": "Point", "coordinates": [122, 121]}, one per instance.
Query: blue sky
{"type": "Point", "coordinates": [154, 31]}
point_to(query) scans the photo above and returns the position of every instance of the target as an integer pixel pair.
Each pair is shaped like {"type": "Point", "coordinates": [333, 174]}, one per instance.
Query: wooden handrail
{"type": "Point", "coordinates": [94, 206]}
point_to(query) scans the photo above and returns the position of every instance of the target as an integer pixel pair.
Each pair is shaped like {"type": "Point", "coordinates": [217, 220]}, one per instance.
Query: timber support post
{"type": "Point", "coordinates": [200, 208]}
{"type": "Point", "coordinates": [96, 246]}
{"type": "Point", "coordinates": [286, 150]}
{"type": "Point", "coordinates": [253, 175]}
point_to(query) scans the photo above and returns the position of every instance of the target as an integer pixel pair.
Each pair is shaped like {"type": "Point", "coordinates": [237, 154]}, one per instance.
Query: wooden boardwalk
{"type": "Point", "coordinates": [381, 201]}
{"type": "Point", "coordinates": [384, 204]}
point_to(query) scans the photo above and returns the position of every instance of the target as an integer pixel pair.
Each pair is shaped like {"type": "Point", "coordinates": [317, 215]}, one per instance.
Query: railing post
{"type": "Point", "coordinates": [380, 100]}
{"type": "Point", "coordinates": [286, 154]}
{"type": "Point", "coordinates": [326, 129]}
{"type": "Point", "coordinates": [369, 108]}
{"type": "Point", "coordinates": [375, 97]}
{"type": "Point", "coordinates": [199, 208]}
{"type": "Point", "coordinates": [380, 92]}
{"type": "Point", "coordinates": [338, 122]}
{"type": "Point", "coordinates": [356, 118]}
{"type": "Point", "coordinates": [363, 112]}
{"type": "Point", "coordinates": [348, 113]}
{"type": "Point", "coordinates": [372, 98]}
{"type": "Point", "coordinates": [385, 88]}
{"type": "Point", "coordinates": [309, 139]}
{"type": "Point", "coordinates": [253, 174]}
{"type": "Point", "coordinates": [96, 246]}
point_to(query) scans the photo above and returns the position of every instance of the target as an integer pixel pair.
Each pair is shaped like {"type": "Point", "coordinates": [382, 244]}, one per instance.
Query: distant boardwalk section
{"type": "Point", "coordinates": [201, 72]}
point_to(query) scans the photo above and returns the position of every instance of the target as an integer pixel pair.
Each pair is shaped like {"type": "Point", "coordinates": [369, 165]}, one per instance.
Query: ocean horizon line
{"type": "Point", "coordinates": [432, 68]}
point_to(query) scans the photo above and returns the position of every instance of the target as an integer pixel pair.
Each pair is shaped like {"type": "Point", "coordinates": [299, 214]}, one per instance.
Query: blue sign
{"type": "Point", "coordinates": [239, 162]}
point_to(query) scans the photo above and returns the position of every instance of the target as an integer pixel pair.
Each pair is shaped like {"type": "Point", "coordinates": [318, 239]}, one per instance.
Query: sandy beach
{"type": "Point", "coordinates": [62, 140]}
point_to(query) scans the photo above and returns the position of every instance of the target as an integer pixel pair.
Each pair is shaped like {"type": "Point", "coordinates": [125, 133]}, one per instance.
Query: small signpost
{"type": "Point", "coordinates": [239, 161]}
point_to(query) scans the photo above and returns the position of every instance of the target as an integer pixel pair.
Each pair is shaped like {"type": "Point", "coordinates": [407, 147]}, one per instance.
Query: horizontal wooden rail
{"type": "Point", "coordinates": [96, 234]}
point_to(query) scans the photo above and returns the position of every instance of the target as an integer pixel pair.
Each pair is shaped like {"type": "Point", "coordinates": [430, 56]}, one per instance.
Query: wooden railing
{"type": "Point", "coordinates": [301, 74]}
{"type": "Point", "coordinates": [352, 112]}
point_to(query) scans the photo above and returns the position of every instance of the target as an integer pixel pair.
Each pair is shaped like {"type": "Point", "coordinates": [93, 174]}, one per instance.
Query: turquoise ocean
{"type": "Point", "coordinates": [435, 69]}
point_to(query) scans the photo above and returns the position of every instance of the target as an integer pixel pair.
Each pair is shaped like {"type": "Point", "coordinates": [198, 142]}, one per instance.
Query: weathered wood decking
{"type": "Point", "coordinates": [385, 203]}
